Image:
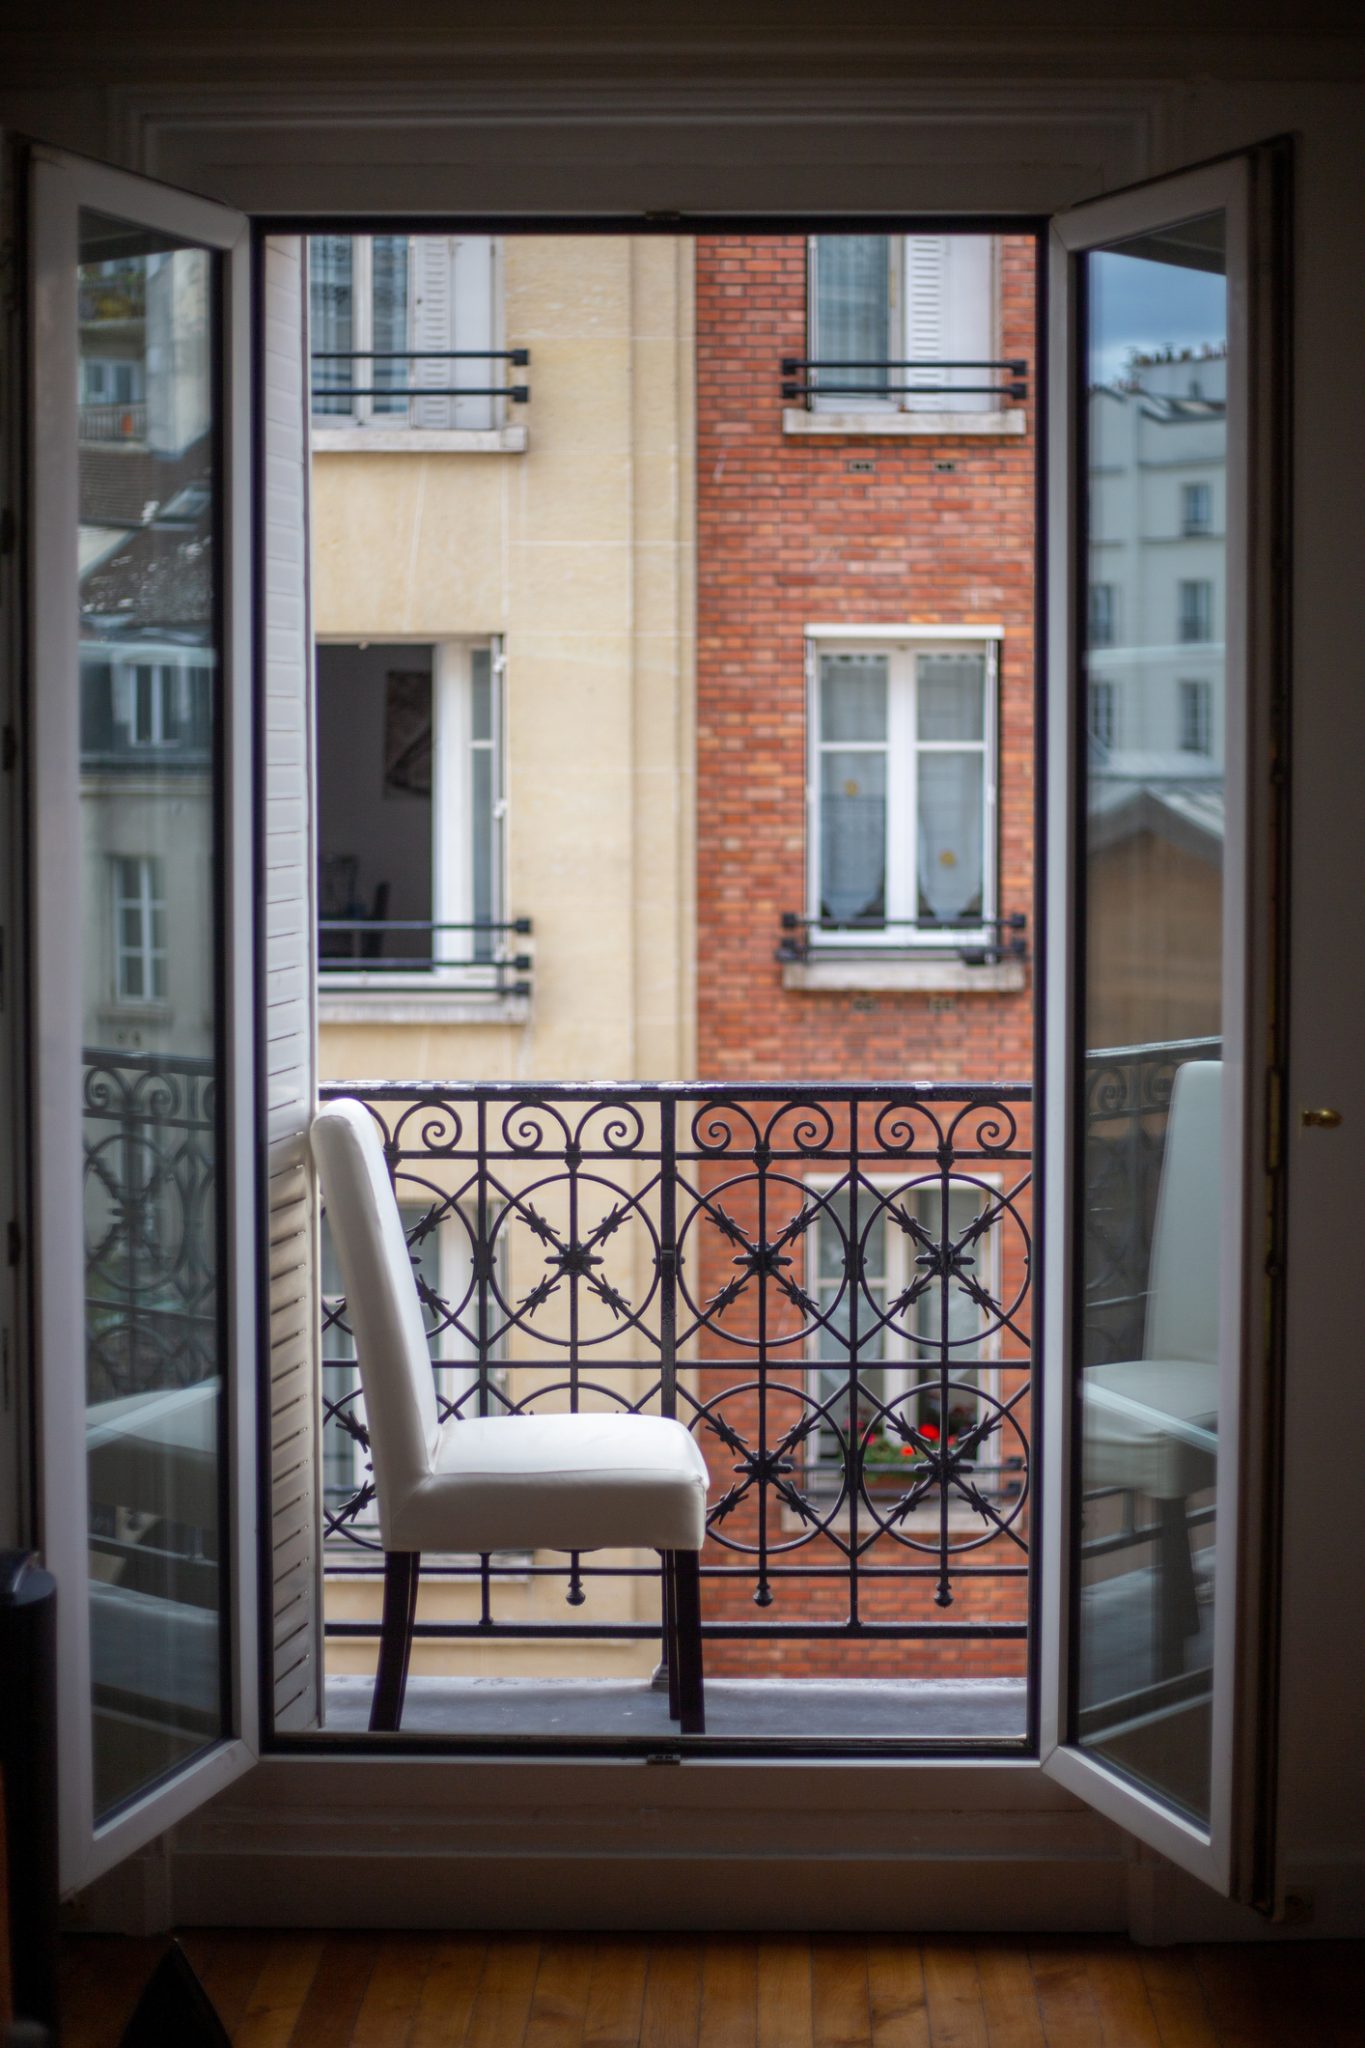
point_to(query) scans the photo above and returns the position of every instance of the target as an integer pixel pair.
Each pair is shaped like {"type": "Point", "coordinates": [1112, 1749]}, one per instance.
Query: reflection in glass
{"type": "Point", "coordinates": [149, 574]}
{"type": "Point", "coordinates": [1151, 1085]}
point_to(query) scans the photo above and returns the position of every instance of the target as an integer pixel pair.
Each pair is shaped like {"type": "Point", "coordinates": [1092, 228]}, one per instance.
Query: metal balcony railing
{"type": "Point", "coordinates": [326, 388]}
{"type": "Point", "coordinates": [808, 377]}
{"type": "Point", "coordinates": [830, 1284]}
{"type": "Point", "coordinates": [107, 421]}
{"type": "Point", "coordinates": [980, 942]}
{"type": "Point", "coordinates": [351, 946]}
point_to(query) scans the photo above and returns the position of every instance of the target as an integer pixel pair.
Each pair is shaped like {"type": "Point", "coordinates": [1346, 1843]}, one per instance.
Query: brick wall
{"type": "Point", "coordinates": [940, 532]}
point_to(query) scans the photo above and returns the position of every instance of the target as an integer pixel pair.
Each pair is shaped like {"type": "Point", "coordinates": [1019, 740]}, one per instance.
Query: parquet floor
{"type": "Point", "coordinates": [359, 1990]}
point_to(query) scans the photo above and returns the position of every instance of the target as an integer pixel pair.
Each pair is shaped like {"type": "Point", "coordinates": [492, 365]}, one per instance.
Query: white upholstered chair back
{"type": "Point", "coordinates": [382, 1304]}
{"type": "Point", "coordinates": [1182, 1303]}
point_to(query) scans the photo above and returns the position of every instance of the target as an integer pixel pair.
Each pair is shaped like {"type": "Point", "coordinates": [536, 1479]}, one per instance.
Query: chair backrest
{"type": "Point", "coordinates": [382, 1303]}
{"type": "Point", "coordinates": [1182, 1302]}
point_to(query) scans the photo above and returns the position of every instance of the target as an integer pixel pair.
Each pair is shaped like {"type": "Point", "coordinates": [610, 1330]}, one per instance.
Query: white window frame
{"type": "Point", "coordinates": [1102, 711]}
{"type": "Point", "coordinates": [903, 645]}
{"type": "Point", "coordinates": [1194, 717]}
{"type": "Point", "coordinates": [452, 848]}
{"type": "Point", "coordinates": [361, 410]}
{"type": "Point", "coordinates": [1102, 614]}
{"type": "Point", "coordinates": [147, 902]}
{"type": "Point", "coordinates": [903, 342]}
{"type": "Point", "coordinates": [1194, 611]}
{"type": "Point", "coordinates": [1196, 524]}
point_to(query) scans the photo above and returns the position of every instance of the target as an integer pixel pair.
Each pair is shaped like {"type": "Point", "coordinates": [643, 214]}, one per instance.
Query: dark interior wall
{"type": "Point", "coordinates": [365, 814]}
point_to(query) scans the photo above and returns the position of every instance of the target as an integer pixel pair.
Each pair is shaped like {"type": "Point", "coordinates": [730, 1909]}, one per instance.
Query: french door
{"type": "Point", "coordinates": [1161, 1060]}
{"type": "Point", "coordinates": [140, 633]}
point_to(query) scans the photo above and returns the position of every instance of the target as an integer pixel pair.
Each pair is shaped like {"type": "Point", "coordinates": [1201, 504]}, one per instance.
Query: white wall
{"type": "Point", "coordinates": [846, 112]}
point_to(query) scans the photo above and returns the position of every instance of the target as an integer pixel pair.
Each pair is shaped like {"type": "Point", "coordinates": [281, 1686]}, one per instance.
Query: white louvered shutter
{"type": "Point", "coordinates": [950, 317]}
{"type": "Point", "coordinates": [454, 307]}
{"type": "Point", "coordinates": [433, 327]}
{"type": "Point", "coordinates": [294, 1534]}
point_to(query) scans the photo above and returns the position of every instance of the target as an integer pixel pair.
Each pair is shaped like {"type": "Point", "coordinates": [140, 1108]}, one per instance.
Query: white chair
{"type": "Point", "coordinates": [527, 1482]}
{"type": "Point", "coordinates": [1151, 1424]}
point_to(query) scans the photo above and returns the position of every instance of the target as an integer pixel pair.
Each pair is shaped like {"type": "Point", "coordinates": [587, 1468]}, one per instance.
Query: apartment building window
{"type": "Point", "coordinates": [902, 789]}
{"type": "Point", "coordinates": [139, 929]}
{"type": "Point", "coordinates": [132, 708]}
{"type": "Point", "coordinates": [1196, 716]}
{"type": "Point", "coordinates": [398, 322]}
{"type": "Point", "coordinates": [876, 301]}
{"type": "Point", "coordinates": [411, 816]}
{"type": "Point", "coordinates": [1104, 713]}
{"type": "Point", "coordinates": [1196, 508]}
{"type": "Point", "coordinates": [1195, 610]}
{"type": "Point", "coordinates": [1103, 614]}
{"type": "Point", "coordinates": [899, 1378]}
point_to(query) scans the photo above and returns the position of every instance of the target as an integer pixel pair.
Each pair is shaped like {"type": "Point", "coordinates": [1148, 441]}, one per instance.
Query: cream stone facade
{"type": "Point", "coordinates": [564, 537]}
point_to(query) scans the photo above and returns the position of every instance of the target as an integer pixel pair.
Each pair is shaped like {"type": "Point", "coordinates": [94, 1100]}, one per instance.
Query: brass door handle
{"type": "Point", "coordinates": [1320, 1119]}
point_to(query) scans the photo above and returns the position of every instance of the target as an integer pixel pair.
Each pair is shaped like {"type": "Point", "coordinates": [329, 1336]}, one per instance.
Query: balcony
{"type": "Point", "coordinates": [399, 397]}
{"type": "Point", "coordinates": [806, 378]}
{"type": "Point", "coordinates": [912, 395]}
{"type": "Point", "coordinates": [475, 957]}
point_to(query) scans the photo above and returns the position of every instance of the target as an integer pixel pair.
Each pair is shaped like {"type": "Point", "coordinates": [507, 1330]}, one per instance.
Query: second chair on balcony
{"type": "Point", "coordinates": [527, 1482]}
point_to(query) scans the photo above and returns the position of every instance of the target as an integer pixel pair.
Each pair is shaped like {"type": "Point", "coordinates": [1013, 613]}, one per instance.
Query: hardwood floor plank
{"type": "Point", "coordinates": [784, 1992]}
{"type": "Point", "coordinates": [671, 2016]}
{"type": "Point", "coordinates": [952, 1994]}
{"type": "Point", "coordinates": [502, 2003]}
{"type": "Point", "coordinates": [448, 1995]}
{"type": "Point", "coordinates": [1120, 1995]}
{"type": "Point", "coordinates": [100, 1980]}
{"type": "Point", "coordinates": [1009, 2001]}
{"type": "Point", "coordinates": [1065, 2000]}
{"type": "Point", "coordinates": [337, 1991]}
{"type": "Point", "coordinates": [559, 2002]}
{"type": "Point", "coordinates": [394, 1992]}
{"type": "Point", "coordinates": [1177, 1998]}
{"type": "Point", "coordinates": [895, 1985]}
{"type": "Point", "coordinates": [238, 1958]}
{"type": "Point", "coordinates": [729, 1993]}
{"type": "Point", "coordinates": [277, 1999]}
{"type": "Point", "coordinates": [616, 1995]}
{"type": "Point", "coordinates": [841, 2012]}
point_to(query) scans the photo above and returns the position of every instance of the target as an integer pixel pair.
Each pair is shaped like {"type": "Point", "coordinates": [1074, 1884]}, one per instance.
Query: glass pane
{"type": "Point", "coordinates": [390, 261]}
{"type": "Point", "coordinates": [951, 696]}
{"type": "Point", "coordinates": [852, 834]}
{"type": "Point", "coordinates": [853, 697]}
{"type": "Point", "coordinates": [852, 311]}
{"type": "Point", "coordinates": [1156, 432]}
{"type": "Point", "coordinates": [153, 1055]}
{"type": "Point", "coordinates": [951, 832]}
{"type": "Point", "coordinates": [331, 315]}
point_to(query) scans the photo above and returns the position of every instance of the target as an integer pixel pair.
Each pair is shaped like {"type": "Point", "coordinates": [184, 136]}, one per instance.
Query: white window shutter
{"type": "Point", "coordinates": [433, 327]}
{"type": "Point", "coordinates": [294, 1536]}
{"type": "Point", "coordinates": [475, 327]}
{"type": "Point", "coordinates": [950, 317]}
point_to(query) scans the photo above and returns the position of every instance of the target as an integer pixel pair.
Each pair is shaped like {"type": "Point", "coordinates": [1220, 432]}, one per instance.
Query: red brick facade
{"type": "Point", "coordinates": [940, 532]}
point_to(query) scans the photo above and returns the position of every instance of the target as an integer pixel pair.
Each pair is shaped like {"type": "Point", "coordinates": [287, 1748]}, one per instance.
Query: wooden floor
{"type": "Point", "coordinates": [660, 1991]}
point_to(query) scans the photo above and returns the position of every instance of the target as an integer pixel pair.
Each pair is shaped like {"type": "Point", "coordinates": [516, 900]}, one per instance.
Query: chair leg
{"type": "Point", "coordinates": [1177, 1603]}
{"type": "Point", "coordinates": [687, 1598]}
{"type": "Point", "coordinates": [670, 1630]}
{"type": "Point", "coordinates": [401, 1571]}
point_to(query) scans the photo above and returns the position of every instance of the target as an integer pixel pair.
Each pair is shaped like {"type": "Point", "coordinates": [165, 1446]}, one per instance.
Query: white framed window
{"type": "Point", "coordinates": [412, 815]}
{"type": "Point", "coordinates": [1196, 508]}
{"type": "Point", "coordinates": [901, 794]}
{"type": "Point", "coordinates": [1102, 608]}
{"type": "Point", "coordinates": [112, 380]}
{"type": "Point", "coordinates": [899, 1371]}
{"type": "Point", "coordinates": [161, 702]}
{"type": "Point", "coordinates": [1196, 715]}
{"type": "Point", "coordinates": [879, 302]}
{"type": "Point", "coordinates": [1194, 618]}
{"type": "Point", "coordinates": [1104, 722]}
{"type": "Point", "coordinates": [402, 328]}
{"type": "Point", "coordinates": [139, 893]}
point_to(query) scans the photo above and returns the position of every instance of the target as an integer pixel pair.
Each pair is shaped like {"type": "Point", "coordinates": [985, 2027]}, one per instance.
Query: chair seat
{"type": "Point", "coordinates": [556, 1482]}
{"type": "Point", "coordinates": [1151, 1424]}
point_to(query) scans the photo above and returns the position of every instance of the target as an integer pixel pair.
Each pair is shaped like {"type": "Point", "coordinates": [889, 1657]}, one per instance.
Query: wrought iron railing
{"type": "Point", "coordinates": [808, 377]}
{"type": "Point", "coordinates": [975, 942]}
{"type": "Point", "coordinates": [1127, 1106]}
{"type": "Point", "coordinates": [335, 392]}
{"type": "Point", "coordinates": [830, 1284]}
{"type": "Point", "coordinates": [150, 1230]}
{"type": "Point", "coordinates": [476, 953]}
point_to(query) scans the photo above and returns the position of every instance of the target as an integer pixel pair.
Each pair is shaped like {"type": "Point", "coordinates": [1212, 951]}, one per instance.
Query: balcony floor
{"type": "Point", "coordinates": [771, 1709]}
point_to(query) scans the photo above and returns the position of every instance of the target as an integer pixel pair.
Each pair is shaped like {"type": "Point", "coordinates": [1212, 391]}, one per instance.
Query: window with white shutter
{"type": "Point", "coordinates": [889, 312]}
{"type": "Point", "coordinates": [404, 330]}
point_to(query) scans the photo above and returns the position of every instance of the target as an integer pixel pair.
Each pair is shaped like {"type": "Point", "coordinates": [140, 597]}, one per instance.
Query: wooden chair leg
{"type": "Point", "coordinates": [401, 1571]}
{"type": "Point", "coordinates": [687, 1597]}
{"type": "Point", "coordinates": [1177, 1603]}
{"type": "Point", "coordinates": [670, 1631]}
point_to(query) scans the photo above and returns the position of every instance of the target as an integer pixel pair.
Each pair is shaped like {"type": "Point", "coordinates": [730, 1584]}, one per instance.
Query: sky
{"type": "Point", "coordinates": [1138, 304]}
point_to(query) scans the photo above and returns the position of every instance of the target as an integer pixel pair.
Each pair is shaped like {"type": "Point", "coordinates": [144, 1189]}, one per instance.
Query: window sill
{"type": "Point", "coordinates": [419, 441]}
{"type": "Point", "coordinates": [796, 420]}
{"type": "Point", "coordinates": [899, 976]}
{"type": "Point", "coordinates": [426, 1006]}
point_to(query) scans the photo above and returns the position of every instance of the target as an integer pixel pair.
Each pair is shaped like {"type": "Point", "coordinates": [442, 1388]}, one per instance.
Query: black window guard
{"type": "Point", "coordinates": [351, 946]}
{"type": "Point", "coordinates": [517, 357]}
{"type": "Point", "coordinates": [977, 942]}
{"type": "Point", "coordinates": [803, 377]}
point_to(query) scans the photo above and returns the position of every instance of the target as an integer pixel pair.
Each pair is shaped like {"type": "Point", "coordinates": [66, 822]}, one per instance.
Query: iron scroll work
{"type": "Point", "coordinates": [830, 1285]}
